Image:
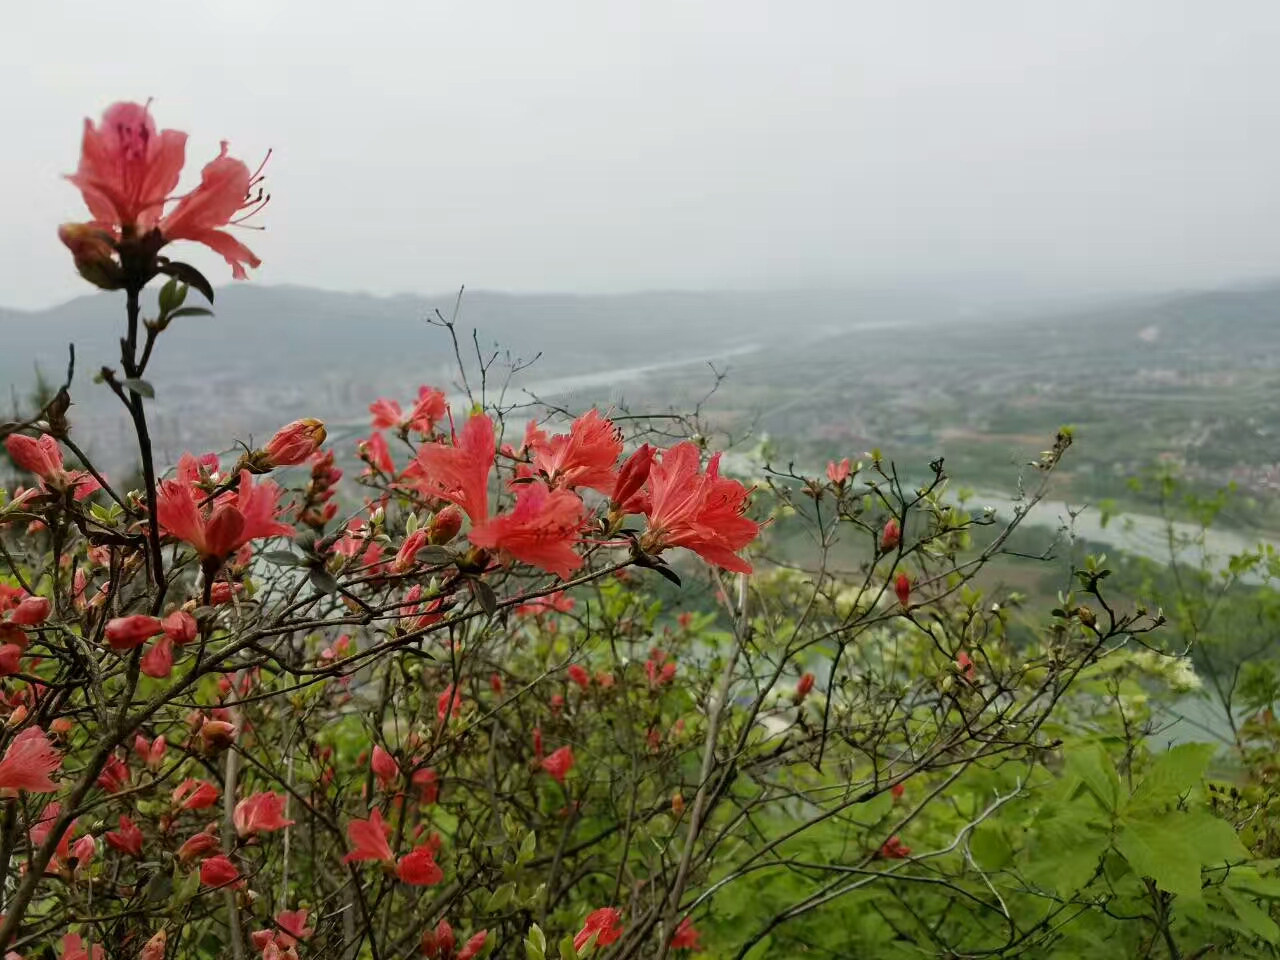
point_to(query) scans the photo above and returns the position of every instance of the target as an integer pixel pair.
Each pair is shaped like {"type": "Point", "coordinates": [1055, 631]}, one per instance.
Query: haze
{"type": "Point", "coordinates": [596, 147]}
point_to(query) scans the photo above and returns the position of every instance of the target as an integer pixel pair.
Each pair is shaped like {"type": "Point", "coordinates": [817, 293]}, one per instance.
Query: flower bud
{"type": "Point", "coordinates": [294, 443]}
{"type": "Point", "coordinates": [803, 687]}
{"type": "Point", "coordinates": [902, 587]}
{"type": "Point", "coordinates": [407, 557]}
{"type": "Point", "coordinates": [155, 947]}
{"type": "Point", "coordinates": [444, 525]}
{"type": "Point", "coordinates": [125, 633]}
{"type": "Point", "coordinates": [890, 536]}
{"type": "Point", "coordinates": [180, 627]}
{"type": "Point", "coordinates": [31, 612]}
{"type": "Point", "coordinates": [217, 735]}
{"type": "Point", "coordinates": [94, 254]}
{"type": "Point", "coordinates": [632, 476]}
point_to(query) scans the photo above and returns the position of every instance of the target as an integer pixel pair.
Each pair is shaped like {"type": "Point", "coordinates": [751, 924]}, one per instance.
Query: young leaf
{"type": "Point", "coordinates": [140, 387]}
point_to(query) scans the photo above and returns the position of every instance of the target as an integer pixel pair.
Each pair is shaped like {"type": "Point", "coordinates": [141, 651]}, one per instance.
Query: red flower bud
{"type": "Point", "coordinates": [219, 872]}
{"type": "Point", "coordinates": [444, 525]}
{"type": "Point", "coordinates": [838, 473]}
{"type": "Point", "coordinates": [295, 442]}
{"type": "Point", "coordinates": [902, 587]}
{"type": "Point", "coordinates": [891, 536]}
{"type": "Point", "coordinates": [93, 252]}
{"type": "Point", "coordinates": [180, 627]}
{"type": "Point", "coordinates": [125, 633]}
{"type": "Point", "coordinates": [198, 846]}
{"type": "Point", "coordinates": [384, 766]}
{"type": "Point", "coordinates": [803, 687]}
{"type": "Point", "coordinates": [31, 612]}
{"type": "Point", "coordinates": [632, 476]}
{"type": "Point", "coordinates": [217, 735]}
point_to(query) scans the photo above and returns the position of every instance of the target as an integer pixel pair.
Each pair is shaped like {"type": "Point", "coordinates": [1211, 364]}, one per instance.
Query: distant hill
{"type": "Point", "coordinates": [273, 353]}
{"type": "Point", "coordinates": [266, 331]}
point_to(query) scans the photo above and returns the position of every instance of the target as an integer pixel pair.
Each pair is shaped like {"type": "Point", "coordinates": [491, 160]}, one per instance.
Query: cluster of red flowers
{"type": "Point", "coordinates": [685, 506]}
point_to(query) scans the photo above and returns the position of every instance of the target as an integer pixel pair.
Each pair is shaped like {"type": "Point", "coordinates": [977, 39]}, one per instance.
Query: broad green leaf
{"type": "Point", "coordinates": [1095, 770]}
{"type": "Point", "coordinates": [1175, 772]}
{"type": "Point", "coordinates": [989, 847]}
{"type": "Point", "coordinates": [1153, 850]}
{"type": "Point", "coordinates": [1075, 866]}
{"type": "Point", "coordinates": [1211, 839]}
{"type": "Point", "coordinates": [1252, 916]}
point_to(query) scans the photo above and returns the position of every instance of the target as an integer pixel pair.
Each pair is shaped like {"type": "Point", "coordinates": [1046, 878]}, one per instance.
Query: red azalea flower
{"type": "Point", "coordinates": [220, 529]}
{"type": "Point", "coordinates": [582, 458]}
{"type": "Point", "coordinates": [180, 627]}
{"type": "Point", "coordinates": [559, 763]}
{"type": "Point", "coordinates": [540, 529]}
{"type": "Point", "coordinates": [804, 686]}
{"type": "Point", "coordinates": [419, 868]}
{"type": "Point", "coordinates": [27, 763]}
{"type": "Point", "coordinates": [43, 458]}
{"type": "Point", "coordinates": [702, 512]}
{"type": "Point", "coordinates": [428, 410]}
{"type": "Point", "coordinates": [128, 839]}
{"type": "Point", "coordinates": [114, 776]}
{"type": "Point", "coordinates": [838, 473]}
{"type": "Point", "coordinates": [193, 794]}
{"type": "Point", "coordinates": [261, 813]}
{"type": "Point", "coordinates": [895, 849]}
{"type": "Point", "coordinates": [128, 169]}
{"type": "Point", "coordinates": [158, 661]}
{"type": "Point", "coordinates": [369, 839]}
{"type": "Point", "coordinates": [579, 676]}
{"type": "Point", "coordinates": [198, 845]}
{"type": "Point", "coordinates": [685, 937]}
{"type": "Point", "coordinates": [30, 612]}
{"type": "Point", "coordinates": [458, 473]}
{"type": "Point", "coordinates": [604, 924]}
{"type": "Point", "coordinates": [125, 633]}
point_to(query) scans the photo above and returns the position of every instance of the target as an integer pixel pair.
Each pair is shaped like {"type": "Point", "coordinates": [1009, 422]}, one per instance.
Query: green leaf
{"type": "Point", "coordinates": [190, 312]}
{"type": "Point", "coordinates": [323, 580]}
{"type": "Point", "coordinates": [567, 949]}
{"type": "Point", "coordinates": [1211, 839]}
{"type": "Point", "coordinates": [538, 938]}
{"type": "Point", "coordinates": [1076, 865]}
{"type": "Point", "coordinates": [432, 554]}
{"type": "Point", "coordinates": [1152, 851]}
{"type": "Point", "coordinates": [140, 387]}
{"type": "Point", "coordinates": [500, 898]}
{"type": "Point", "coordinates": [189, 274]}
{"type": "Point", "coordinates": [171, 296]}
{"type": "Point", "coordinates": [989, 847]}
{"type": "Point", "coordinates": [1171, 849]}
{"type": "Point", "coordinates": [1096, 771]}
{"type": "Point", "coordinates": [1252, 916]}
{"type": "Point", "coordinates": [528, 846]}
{"type": "Point", "coordinates": [485, 596]}
{"type": "Point", "coordinates": [282, 558]}
{"type": "Point", "coordinates": [1174, 773]}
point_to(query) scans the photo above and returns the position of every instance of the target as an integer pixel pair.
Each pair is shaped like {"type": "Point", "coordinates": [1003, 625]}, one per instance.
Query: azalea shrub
{"type": "Point", "coordinates": [527, 685]}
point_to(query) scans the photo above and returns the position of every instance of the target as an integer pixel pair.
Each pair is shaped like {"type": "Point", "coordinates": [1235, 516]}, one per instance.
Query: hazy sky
{"type": "Point", "coordinates": [601, 146]}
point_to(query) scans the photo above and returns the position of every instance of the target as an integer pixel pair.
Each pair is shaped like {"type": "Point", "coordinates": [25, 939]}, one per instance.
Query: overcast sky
{"type": "Point", "coordinates": [587, 145]}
